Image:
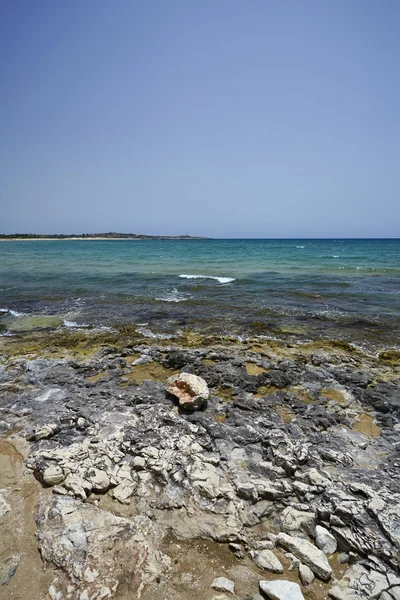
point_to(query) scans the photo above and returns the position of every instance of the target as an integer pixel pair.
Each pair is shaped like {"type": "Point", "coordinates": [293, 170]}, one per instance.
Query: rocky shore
{"type": "Point", "coordinates": [279, 480]}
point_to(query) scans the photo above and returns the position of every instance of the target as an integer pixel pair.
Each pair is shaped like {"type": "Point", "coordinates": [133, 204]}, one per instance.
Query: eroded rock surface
{"type": "Point", "coordinates": [278, 456]}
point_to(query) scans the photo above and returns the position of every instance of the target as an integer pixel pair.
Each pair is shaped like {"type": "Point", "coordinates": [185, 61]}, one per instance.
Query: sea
{"type": "Point", "coordinates": [302, 290]}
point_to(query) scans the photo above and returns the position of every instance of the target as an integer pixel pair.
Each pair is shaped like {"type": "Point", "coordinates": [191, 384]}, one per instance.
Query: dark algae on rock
{"type": "Point", "coordinates": [284, 480]}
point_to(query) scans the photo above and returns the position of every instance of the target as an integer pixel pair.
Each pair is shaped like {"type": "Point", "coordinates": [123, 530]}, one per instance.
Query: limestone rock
{"type": "Point", "coordinates": [306, 575]}
{"type": "Point", "coordinates": [308, 554]}
{"type": "Point", "coordinates": [222, 584]}
{"type": "Point", "coordinates": [268, 561]}
{"type": "Point", "coordinates": [360, 583]}
{"type": "Point", "coordinates": [192, 391]}
{"type": "Point", "coordinates": [53, 475]}
{"type": "Point", "coordinates": [98, 480]}
{"type": "Point", "coordinates": [281, 590]}
{"type": "Point", "coordinates": [96, 549]}
{"type": "Point", "coordinates": [325, 540]}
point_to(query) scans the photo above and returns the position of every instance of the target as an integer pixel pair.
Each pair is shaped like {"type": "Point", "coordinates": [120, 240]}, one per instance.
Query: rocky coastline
{"type": "Point", "coordinates": [280, 480]}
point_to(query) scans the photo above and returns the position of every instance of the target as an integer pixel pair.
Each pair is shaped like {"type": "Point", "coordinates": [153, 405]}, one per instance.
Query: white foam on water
{"type": "Point", "coordinates": [336, 256]}
{"type": "Point", "coordinates": [219, 279]}
{"type": "Point", "coordinates": [173, 296]}
{"type": "Point", "coordinates": [15, 313]}
{"type": "Point", "coordinates": [300, 246]}
{"type": "Point", "coordinates": [70, 324]}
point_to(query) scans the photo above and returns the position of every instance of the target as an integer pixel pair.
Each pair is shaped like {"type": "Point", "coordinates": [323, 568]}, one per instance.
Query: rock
{"type": "Point", "coordinates": [98, 480]}
{"type": "Point", "coordinates": [192, 391]}
{"type": "Point", "coordinates": [296, 520]}
{"type": "Point", "coordinates": [308, 554]}
{"type": "Point", "coordinates": [306, 575]}
{"type": "Point", "coordinates": [96, 549]}
{"type": "Point", "coordinates": [281, 590]}
{"type": "Point", "coordinates": [360, 583]}
{"type": "Point", "coordinates": [139, 463]}
{"type": "Point", "coordinates": [53, 475]}
{"type": "Point", "coordinates": [325, 540]}
{"type": "Point", "coordinates": [268, 561]}
{"type": "Point", "coordinates": [222, 584]}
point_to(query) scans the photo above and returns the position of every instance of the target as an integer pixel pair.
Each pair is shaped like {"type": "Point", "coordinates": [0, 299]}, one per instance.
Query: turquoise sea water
{"type": "Point", "coordinates": [348, 289]}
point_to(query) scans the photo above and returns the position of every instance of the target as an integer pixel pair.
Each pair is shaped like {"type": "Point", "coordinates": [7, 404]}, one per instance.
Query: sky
{"type": "Point", "coordinates": [221, 118]}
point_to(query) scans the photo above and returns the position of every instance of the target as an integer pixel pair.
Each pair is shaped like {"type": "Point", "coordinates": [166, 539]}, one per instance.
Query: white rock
{"type": "Point", "coordinates": [308, 554]}
{"type": "Point", "coordinates": [306, 575]}
{"type": "Point", "coordinates": [281, 590]}
{"type": "Point", "coordinates": [53, 475]}
{"type": "Point", "coordinates": [192, 391]}
{"type": "Point", "coordinates": [268, 561]}
{"type": "Point", "coordinates": [325, 540]}
{"type": "Point", "coordinates": [139, 463]}
{"type": "Point", "coordinates": [98, 479]}
{"type": "Point", "coordinates": [222, 584]}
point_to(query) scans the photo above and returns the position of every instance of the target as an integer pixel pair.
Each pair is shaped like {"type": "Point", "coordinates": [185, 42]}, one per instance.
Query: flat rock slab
{"type": "Point", "coordinates": [222, 584]}
{"type": "Point", "coordinates": [95, 548]}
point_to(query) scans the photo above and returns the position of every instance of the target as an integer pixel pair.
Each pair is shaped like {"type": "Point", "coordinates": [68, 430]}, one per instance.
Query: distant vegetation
{"type": "Point", "coordinates": [108, 236]}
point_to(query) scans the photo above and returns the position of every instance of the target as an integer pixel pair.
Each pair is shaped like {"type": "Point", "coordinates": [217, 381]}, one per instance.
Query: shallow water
{"type": "Point", "coordinates": [303, 288]}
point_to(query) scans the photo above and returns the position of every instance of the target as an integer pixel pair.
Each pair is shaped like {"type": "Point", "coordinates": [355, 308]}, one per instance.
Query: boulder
{"type": "Point", "coordinates": [281, 590]}
{"type": "Point", "coordinates": [309, 554]}
{"type": "Point", "coordinates": [191, 391]}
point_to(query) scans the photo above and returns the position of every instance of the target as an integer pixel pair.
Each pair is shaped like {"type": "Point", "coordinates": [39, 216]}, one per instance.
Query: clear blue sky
{"type": "Point", "coordinates": [222, 118]}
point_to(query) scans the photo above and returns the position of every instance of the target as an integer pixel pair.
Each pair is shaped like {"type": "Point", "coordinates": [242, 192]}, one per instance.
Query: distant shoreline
{"type": "Point", "coordinates": [94, 237]}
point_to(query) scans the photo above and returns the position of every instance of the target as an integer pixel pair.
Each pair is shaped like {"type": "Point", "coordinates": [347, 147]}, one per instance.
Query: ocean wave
{"type": "Point", "coordinates": [219, 279]}
{"type": "Point", "coordinates": [300, 246]}
{"type": "Point", "coordinates": [16, 313]}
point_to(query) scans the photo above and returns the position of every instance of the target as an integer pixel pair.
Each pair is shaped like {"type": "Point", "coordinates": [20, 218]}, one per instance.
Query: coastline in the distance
{"type": "Point", "coordinates": [14, 237]}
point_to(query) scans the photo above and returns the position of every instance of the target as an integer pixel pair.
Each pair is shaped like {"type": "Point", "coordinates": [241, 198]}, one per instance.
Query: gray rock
{"type": "Point", "coordinates": [222, 584]}
{"type": "Point", "coordinates": [281, 590]}
{"type": "Point", "coordinates": [268, 561]}
{"type": "Point", "coordinates": [96, 549]}
{"type": "Point", "coordinates": [306, 575]}
{"type": "Point", "coordinates": [191, 391]}
{"type": "Point", "coordinates": [308, 554]}
{"type": "Point", "coordinates": [360, 583]}
{"type": "Point", "coordinates": [325, 540]}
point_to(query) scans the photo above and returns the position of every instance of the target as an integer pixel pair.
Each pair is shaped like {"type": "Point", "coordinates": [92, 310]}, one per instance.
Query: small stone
{"type": "Point", "coordinates": [306, 575]}
{"type": "Point", "coordinates": [343, 558]}
{"type": "Point", "coordinates": [222, 584]}
{"type": "Point", "coordinates": [268, 561]}
{"type": "Point", "coordinates": [281, 590]}
{"type": "Point", "coordinates": [139, 463]}
{"type": "Point", "coordinates": [325, 540]}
